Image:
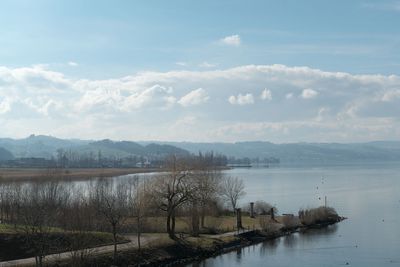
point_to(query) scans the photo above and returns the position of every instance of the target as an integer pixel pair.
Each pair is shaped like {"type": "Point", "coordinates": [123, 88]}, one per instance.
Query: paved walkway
{"type": "Point", "coordinates": [93, 251]}
{"type": "Point", "coordinates": [145, 239]}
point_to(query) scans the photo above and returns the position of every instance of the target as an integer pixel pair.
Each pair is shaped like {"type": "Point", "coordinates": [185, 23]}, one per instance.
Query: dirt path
{"type": "Point", "coordinates": [145, 239]}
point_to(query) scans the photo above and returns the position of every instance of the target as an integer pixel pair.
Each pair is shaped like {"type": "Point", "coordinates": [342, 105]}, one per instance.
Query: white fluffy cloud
{"type": "Point", "coordinates": [391, 95]}
{"type": "Point", "coordinates": [309, 93]}
{"type": "Point", "coordinates": [232, 40]}
{"type": "Point", "coordinates": [5, 106]}
{"type": "Point", "coordinates": [194, 97]}
{"type": "Point", "coordinates": [241, 100]}
{"type": "Point", "coordinates": [266, 94]}
{"type": "Point", "coordinates": [146, 105]}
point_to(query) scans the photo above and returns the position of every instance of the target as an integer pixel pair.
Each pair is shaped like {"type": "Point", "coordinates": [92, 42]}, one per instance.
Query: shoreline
{"type": "Point", "coordinates": [73, 174]}
{"type": "Point", "coordinates": [38, 174]}
{"type": "Point", "coordinates": [195, 249]}
{"type": "Point", "coordinates": [245, 240]}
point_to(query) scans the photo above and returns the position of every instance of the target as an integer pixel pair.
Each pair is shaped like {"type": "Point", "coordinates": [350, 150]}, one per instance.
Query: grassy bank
{"type": "Point", "coordinates": [164, 251]}
{"type": "Point", "coordinates": [22, 174]}
{"type": "Point", "coordinates": [14, 243]}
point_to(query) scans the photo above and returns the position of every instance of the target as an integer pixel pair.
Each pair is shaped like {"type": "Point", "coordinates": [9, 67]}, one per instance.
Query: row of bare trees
{"type": "Point", "coordinates": [48, 214]}
{"type": "Point", "coordinates": [42, 210]}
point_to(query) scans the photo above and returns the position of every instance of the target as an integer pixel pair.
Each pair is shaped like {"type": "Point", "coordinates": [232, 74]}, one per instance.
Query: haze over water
{"type": "Point", "coordinates": [367, 195]}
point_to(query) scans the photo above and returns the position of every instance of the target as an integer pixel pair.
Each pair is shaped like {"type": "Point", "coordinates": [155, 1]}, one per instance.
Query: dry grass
{"type": "Point", "coordinates": [219, 224]}
{"type": "Point", "coordinates": [290, 222]}
{"type": "Point", "coordinates": [318, 215]}
{"type": "Point", "coordinates": [17, 174]}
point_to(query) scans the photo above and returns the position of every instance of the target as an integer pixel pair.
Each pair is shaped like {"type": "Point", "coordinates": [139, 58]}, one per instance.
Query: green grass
{"type": "Point", "coordinates": [18, 229]}
{"type": "Point", "coordinates": [7, 229]}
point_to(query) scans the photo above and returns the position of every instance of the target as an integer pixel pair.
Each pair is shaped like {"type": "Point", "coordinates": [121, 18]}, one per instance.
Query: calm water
{"type": "Point", "coordinates": [368, 195]}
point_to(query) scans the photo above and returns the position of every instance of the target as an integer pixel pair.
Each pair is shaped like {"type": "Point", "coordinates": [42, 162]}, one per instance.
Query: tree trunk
{"type": "Point", "coordinates": [195, 219]}
{"type": "Point", "coordinates": [169, 225]}
{"type": "Point", "coordinates": [39, 261]}
{"type": "Point", "coordinates": [138, 231]}
{"type": "Point", "coordinates": [203, 216]}
{"type": "Point", "coordinates": [173, 225]}
{"type": "Point", "coordinates": [114, 230]}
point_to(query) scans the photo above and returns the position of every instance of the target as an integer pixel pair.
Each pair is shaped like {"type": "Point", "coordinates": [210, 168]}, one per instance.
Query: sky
{"type": "Point", "coordinates": [201, 71]}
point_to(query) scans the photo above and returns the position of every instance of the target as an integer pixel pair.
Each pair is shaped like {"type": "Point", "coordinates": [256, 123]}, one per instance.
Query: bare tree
{"type": "Point", "coordinates": [139, 200]}
{"type": "Point", "coordinates": [79, 221]}
{"type": "Point", "coordinates": [172, 190]}
{"type": "Point", "coordinates": [112, 203]}
{"type": "Point", "coordinates": [208, 182]}
{"type": "Point", "coordinates": [40, 205]}
{"type": "Point", "coordinates": [231, 190]}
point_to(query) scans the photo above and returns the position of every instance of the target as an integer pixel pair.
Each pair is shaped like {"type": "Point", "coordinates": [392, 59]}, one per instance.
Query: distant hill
{"type": "Point", "coordinates": [302, 153]}
{"type": "Point", "coordinates": [5, 154]}
{"type": "Point", "coordinates": [37, 145]}
{"type": "Point", "coordinates": [293, 153]}
{"type": "Point", "coordinates": [42, 146]}
{"type": "Point", "coordinates": [126, 148]}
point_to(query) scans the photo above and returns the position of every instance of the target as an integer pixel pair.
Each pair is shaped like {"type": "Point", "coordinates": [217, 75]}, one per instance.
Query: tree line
{"type": "Point", "coordinates": [189, 189]}
{"type": "Point", "coordinates": [67, 158]}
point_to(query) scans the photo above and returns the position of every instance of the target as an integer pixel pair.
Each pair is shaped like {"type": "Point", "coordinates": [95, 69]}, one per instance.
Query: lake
{"type": "Point", "coordinates": [368, 195]}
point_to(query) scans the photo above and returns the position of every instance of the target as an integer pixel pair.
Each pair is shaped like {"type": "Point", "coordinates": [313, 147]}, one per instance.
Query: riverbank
{"type": "Point", "coordinates": [166, 252]}
{"type": "Point", "coordinates": [38, 174]}
{"type": "Point", "coordinates": [73, 174]}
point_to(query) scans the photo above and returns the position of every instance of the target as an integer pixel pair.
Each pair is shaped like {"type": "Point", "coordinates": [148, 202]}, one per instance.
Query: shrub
{"type": "Point", "coordinates": [268, 226]}
{"type": "Point", "coordinates": [261, 208]}
{"type": "Point", "coordinates": [318, 215]}
{"type": "Point", "coordinates": [290, 221]}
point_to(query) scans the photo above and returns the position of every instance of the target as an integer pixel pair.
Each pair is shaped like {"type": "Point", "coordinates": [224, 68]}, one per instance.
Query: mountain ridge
{"type": "Point", "coordinates": [314, 152]}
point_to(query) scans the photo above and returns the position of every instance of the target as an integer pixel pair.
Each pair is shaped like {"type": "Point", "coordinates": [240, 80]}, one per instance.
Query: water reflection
{"type": "Point", "coordinates": [238, 255]}
{"type": "Point", "coordinates": [311, 235]}
{"type": "Point", "coordinates": [290, 241]}
{"type": "Point", "coordinates": [269, 247]}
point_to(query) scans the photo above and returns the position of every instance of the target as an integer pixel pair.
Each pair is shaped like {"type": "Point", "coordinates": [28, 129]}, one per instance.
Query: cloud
{"type": "Point", "coordinates": [181, 63]}
{"type": "Point", "coordinates": [73, 64]}
{"type": "Point", "coordinates": [107, 99]}
{"type": "Point", "coordinates": [241, 99]}
{"type": "Point", "coordinates": [391, 95]}
{"type": "Point", "coordinates": [266, 94]}
{"type": "Point", "coordinates": [145, 105]}
{"type": "Point", "coordinates": [5, 106]}
{"type": "Point", "coordinates": [194, 97]}
{"type": "Point", "coordinates": [289, 95]}
{"type": "Point", "coordinates": [309, 93]}
{"type": "Point", "coordinates": [205, 64]}
{"type": "Point", "coordinates": [233, 40]}
{"type": "Point", "coordinates": [387, 6]}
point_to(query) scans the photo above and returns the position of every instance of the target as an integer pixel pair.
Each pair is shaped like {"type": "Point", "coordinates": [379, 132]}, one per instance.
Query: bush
{"type": "Point", "coordinates": [318, 215]}
{"type": "Point", "coordinates": [261, 208]}
{"type": "Point", "coordinates": [213, 224]}
{"type": "Point", "coordinates": [268, 226]}
{"type": "Point", "coordinates": [290, 221]}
